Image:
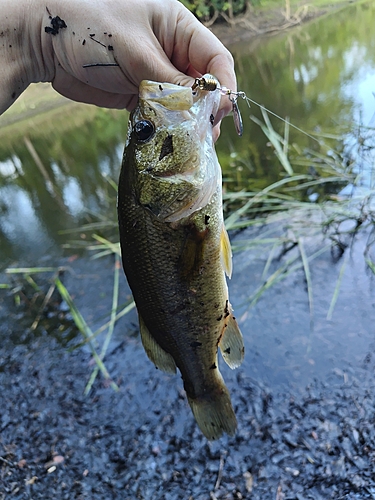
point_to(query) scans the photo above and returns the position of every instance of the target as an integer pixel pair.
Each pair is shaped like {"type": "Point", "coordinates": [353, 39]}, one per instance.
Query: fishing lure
{"type": "Point", "coordinates": [211, 84]}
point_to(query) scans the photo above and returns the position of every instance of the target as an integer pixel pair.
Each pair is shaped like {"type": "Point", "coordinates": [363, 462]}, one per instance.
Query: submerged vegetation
{"type": "Point", "coordinates": [303, 211]}
{"type": "Point", "coordinates": [52, 307]}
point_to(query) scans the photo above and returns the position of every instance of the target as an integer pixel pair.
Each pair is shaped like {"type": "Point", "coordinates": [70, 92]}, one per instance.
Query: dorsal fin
{"type": "Point", "coordinates": [156, 354]}
{"type": "Point", "coordinates": [231, 343]}
{"type": "Point", "coordinates": [225, 252]}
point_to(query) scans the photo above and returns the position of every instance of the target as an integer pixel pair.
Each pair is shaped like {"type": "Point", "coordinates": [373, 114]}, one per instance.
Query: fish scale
{"type": "Point", "coordinates": [172, 239]}
{"type": "Point", "coordinates": [157, 299]}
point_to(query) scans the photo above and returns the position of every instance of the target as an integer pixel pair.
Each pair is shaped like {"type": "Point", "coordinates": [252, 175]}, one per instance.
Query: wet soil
{"type": "Point", "coordinates": [304, 397]}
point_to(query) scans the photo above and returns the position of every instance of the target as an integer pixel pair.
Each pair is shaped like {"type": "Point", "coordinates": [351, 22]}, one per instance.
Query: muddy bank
{"type": "Point", "coordinates": [142, 442]}
{"type": "Point", "coordinates": [304, 399]}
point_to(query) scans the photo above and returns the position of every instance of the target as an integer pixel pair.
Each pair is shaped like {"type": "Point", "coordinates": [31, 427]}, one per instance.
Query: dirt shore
{"type": "Point", "coordinates": [304, 399]}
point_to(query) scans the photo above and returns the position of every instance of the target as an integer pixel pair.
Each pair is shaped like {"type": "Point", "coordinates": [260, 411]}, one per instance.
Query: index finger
{"type": "Point", "coordinates": [198, 46]}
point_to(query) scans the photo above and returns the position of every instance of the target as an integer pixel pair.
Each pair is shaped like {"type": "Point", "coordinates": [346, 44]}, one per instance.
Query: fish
{"type": "Point", "coordinates": [175, 248]}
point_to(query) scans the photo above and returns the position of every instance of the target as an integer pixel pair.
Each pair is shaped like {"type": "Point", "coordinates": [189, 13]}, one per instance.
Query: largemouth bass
{"type": "Point", "coordinates": [175, 249]}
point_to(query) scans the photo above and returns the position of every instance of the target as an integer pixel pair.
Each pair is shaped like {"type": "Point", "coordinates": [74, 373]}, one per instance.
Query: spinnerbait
{"type": "Point", "coordinates": [211, 84]}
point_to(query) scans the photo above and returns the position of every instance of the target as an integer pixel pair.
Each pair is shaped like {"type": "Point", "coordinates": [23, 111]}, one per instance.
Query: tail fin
{"type": "Point", "coordinates": [214, 413]}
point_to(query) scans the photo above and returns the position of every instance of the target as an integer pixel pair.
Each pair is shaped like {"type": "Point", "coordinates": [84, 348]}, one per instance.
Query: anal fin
{"type": "Point", "coordinates": [231, 343]}
{"type": "Point", "coordinates": [161, 359]}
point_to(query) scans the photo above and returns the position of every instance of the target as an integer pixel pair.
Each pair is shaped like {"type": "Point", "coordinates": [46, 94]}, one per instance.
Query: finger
{"type": "Point", "coordinates": [112, 62]}
{"type": "Point", "coordinates": [76, 90]}
{"type": "Point", "coordinates": [193, 72]}
{"type": "Point", "coordinates": [194, 50]}
{"type": "Point", "coordinates": [197, 45]}
{"type": "Point", "coordinates": [121, 69]}
{"type": "Point", "coordinates": [216, 132]}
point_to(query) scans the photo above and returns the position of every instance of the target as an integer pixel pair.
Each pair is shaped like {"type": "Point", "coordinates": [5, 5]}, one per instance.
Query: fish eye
{"type": "Point", "coordinates": [144, 130]}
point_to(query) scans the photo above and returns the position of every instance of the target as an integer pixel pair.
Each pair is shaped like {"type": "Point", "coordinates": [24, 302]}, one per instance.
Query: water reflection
{"type": "Point", "coordinates": [54, 170]}
{"type": "Point", "coordinates": [321, 76]}
{"type": "Point", "coordinates": [51, 179]}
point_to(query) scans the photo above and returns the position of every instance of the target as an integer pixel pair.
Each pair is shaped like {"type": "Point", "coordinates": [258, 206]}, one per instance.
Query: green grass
{"type": "Point", "coordinates": [287, 222]}
{"type": "Point", "coordinates": [282, 221]}
{"type": "Point", "coordinates": [264, 4]}
{"type": "Point", "coordinates": [55, 283]}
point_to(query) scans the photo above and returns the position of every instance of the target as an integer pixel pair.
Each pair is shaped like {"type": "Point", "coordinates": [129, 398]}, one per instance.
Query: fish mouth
{"type": "Point", "coordinates": [179, 98]}
{"type": "Point", "coordinates": [172, 97]}
{"type": "Point", "coordinates": [191, 187]}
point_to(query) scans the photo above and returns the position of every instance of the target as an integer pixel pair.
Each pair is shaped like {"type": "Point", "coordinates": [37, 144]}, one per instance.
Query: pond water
{"type": "Point", "coordinates": [321, 76]}
{"type": "Point", "coordinates": [54, 168]}
{"type": "Point", "coordinates": [304, 395]}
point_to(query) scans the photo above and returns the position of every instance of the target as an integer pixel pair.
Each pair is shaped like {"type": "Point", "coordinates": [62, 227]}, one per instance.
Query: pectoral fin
{"type": "Point", "coordinates": [225, 252]}
{"type": "Point", "coordinates": [231, 343]}
{"type": "Point", "coordinates": [156, 354]}
{"type": "Point", "coordinates": [192, 253]}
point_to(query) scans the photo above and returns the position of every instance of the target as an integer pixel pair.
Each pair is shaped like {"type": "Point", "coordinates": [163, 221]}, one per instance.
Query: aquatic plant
{"type": "Point", "coordinates": [37, 278]}
{"type": "Point", "coordinates": [323, 197]}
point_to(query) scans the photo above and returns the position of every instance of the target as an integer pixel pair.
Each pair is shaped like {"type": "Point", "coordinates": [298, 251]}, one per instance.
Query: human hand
{"type": "Point", "coordinates": [143, 39]}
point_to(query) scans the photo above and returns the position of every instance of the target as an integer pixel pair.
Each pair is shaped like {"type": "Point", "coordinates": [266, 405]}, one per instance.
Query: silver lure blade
{"type": "Point", "coordinates": [237, 117]}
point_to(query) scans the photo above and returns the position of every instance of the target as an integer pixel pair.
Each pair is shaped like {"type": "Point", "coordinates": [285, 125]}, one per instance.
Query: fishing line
{"type": "Point", "coordinates": [210, 83]}
{"type": "Point", "coordinates": [280, 118]}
